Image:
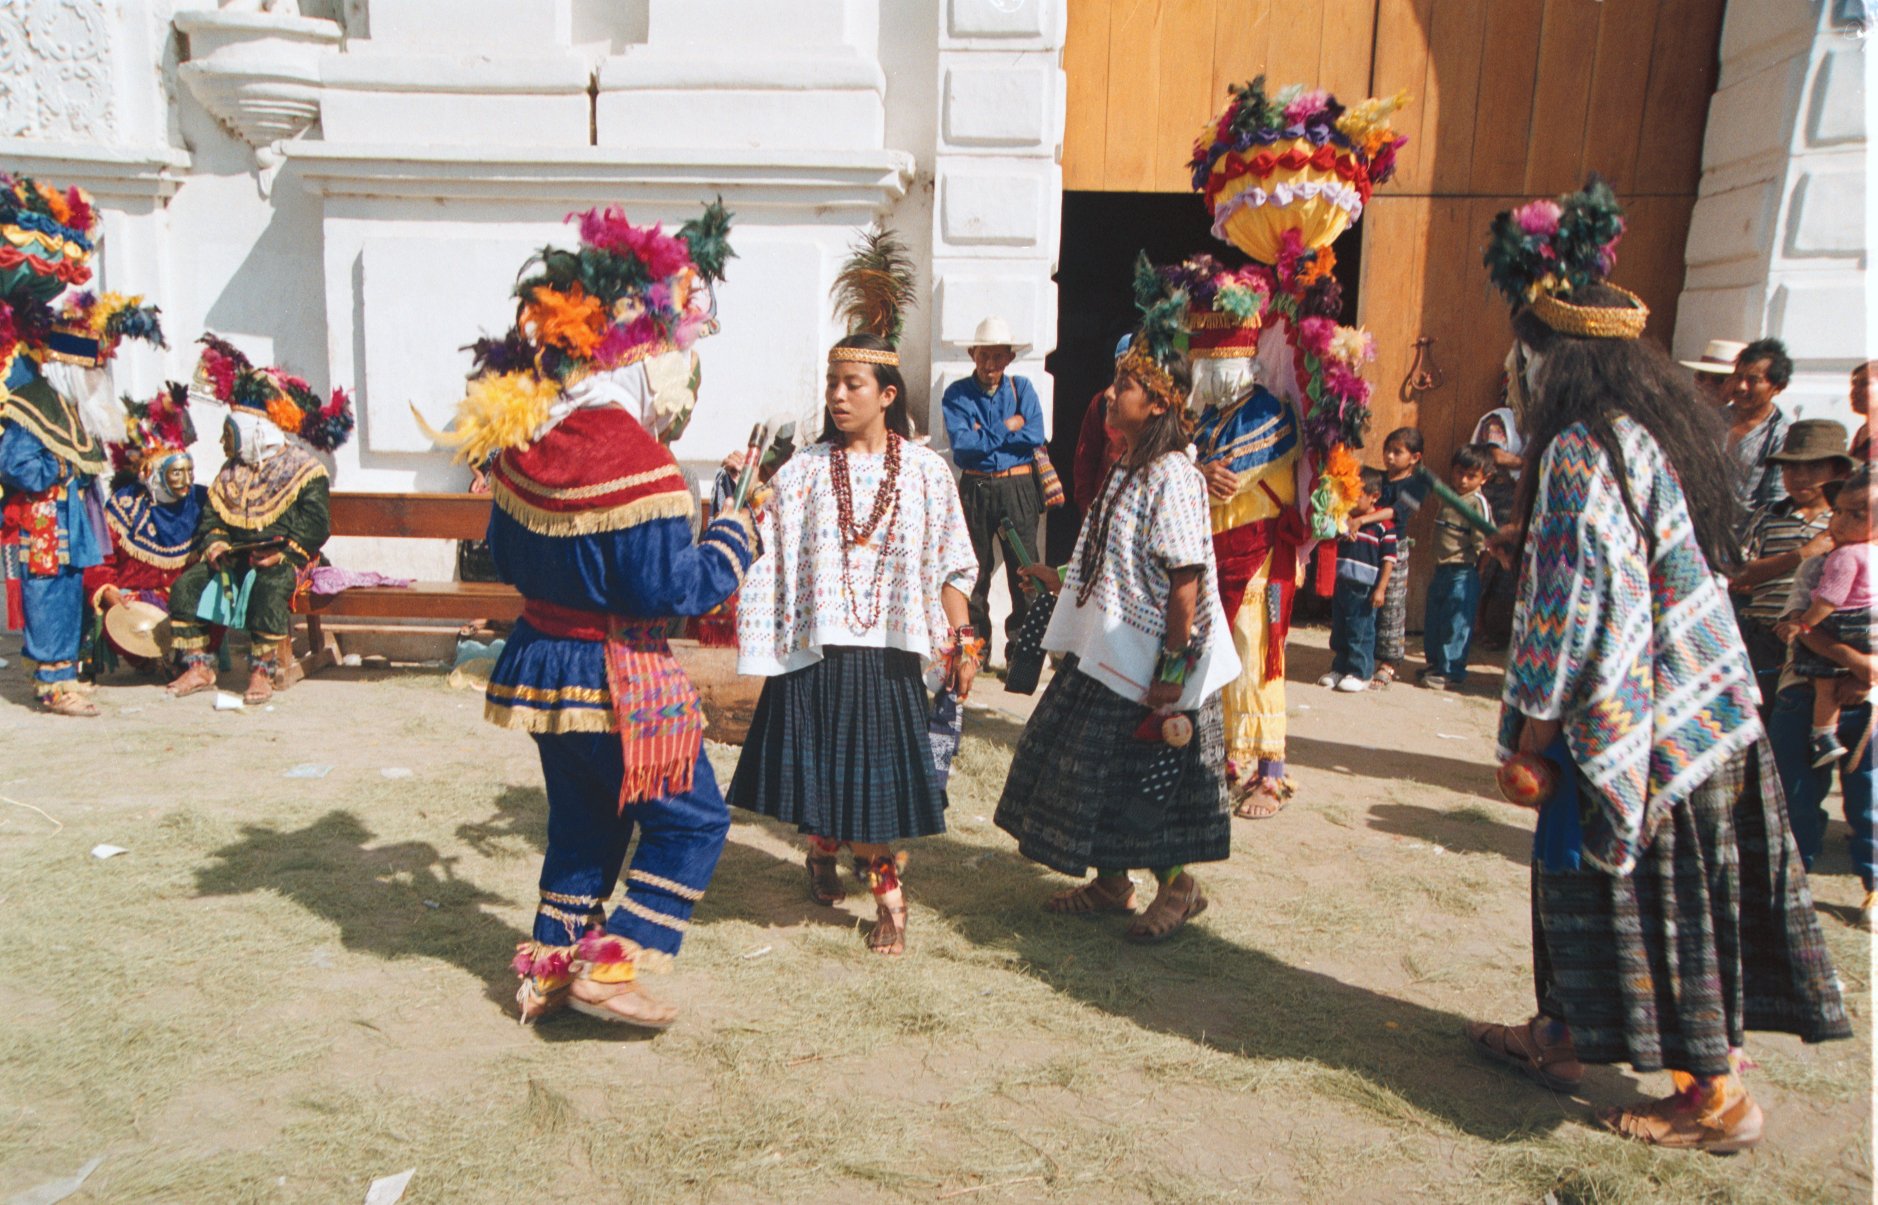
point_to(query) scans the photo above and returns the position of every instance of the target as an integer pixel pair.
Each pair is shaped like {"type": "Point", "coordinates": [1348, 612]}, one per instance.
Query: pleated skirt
{"type": "Point", "coordinates": [1712, 934]}
{"type": "Point", "coordinates": [841, 749]}
{"type": "Point", "coordinates": [1074, 800]}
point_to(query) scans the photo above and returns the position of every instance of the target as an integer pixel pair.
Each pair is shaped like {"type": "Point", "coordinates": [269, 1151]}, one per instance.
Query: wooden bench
{"type": "Point", "coordinates": [414, 517]}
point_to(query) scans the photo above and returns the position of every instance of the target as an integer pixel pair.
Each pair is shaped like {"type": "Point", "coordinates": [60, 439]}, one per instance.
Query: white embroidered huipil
{"type": "Point", "coordinates": [793, 600]}
{"type": "Point", "coordinates": [1160, 522]}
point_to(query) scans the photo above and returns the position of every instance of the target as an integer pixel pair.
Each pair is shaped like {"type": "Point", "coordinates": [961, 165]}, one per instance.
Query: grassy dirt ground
{"type": "Point", "coordinates": [290, 986]}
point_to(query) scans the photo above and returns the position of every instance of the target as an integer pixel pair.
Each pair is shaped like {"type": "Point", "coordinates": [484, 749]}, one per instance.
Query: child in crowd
{"type": "Point", "coordinates": [1781, 536]}
{"type": "Point", "coordinates": [1403, 490]}
{"type": "Point", "coordinates": [1365, 562]}
{"type": "Point", "coordinates": [1840, 614]}
{"type": "Point", "coordinates": [1455, 591]}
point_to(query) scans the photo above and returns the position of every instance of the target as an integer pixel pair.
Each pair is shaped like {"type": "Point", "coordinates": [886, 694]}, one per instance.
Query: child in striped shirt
{"type": "Point", "coordinates": [1365, 560]}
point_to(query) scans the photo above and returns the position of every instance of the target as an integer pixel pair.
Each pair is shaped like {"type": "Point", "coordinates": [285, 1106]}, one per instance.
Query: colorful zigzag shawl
{"type": "Point", "coordinates": [1639, 658]}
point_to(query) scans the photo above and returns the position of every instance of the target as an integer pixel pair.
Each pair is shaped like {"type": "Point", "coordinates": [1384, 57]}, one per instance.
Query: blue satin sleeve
{"type": "Point", "coordinates": [25, 464]}
{"type": "Point", "coordinates": [648, 571]}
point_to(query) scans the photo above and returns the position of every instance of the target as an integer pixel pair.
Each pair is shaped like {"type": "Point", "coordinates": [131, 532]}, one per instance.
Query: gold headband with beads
{"type": "Point", "coordinates": [1592, 321]}
{"type": "Point", "coordinates": [1137, 363]}
{"type": "Point", "coordinates": [864, 355]}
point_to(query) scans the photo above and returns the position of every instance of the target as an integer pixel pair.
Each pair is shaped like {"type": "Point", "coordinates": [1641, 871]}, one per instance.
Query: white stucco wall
{"type": "Point", "coordinates": [347, 187]}
{"type": "Point", "coordinates": [1779, 240]}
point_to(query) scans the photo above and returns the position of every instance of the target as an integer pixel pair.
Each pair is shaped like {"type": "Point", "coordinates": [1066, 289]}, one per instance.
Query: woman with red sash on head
{"type": "Point", "coordinates": [864, 579]}
{"type": "Point", "coordinates": [592, 523]}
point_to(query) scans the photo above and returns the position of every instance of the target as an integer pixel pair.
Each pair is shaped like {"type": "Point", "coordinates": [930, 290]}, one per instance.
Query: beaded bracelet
{"type": "Point", "coordinates": [1174, 665]}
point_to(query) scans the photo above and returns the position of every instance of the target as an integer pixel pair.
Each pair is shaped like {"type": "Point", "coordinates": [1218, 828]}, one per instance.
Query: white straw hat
{"type": "Point", "coordinates": [996, 332]}
{"type": "Point", "coordinates": [1717, 357]}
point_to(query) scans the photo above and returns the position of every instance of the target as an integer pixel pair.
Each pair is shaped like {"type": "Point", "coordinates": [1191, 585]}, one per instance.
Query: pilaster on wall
{"type": "Point", "coordinates": [999, 186]}
{"type": "Point", "coordinates": [1778, 240]}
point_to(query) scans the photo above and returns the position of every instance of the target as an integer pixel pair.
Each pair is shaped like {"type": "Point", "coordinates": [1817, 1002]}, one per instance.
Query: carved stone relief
{"type": "Point", "coordinates": [55, 70]}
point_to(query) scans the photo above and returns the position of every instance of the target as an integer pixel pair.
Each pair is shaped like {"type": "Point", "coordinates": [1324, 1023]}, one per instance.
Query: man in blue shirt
{"type": "Point", "coordinates": [995, 426]}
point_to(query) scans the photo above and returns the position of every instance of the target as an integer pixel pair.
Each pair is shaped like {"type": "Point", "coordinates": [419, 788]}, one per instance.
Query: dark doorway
{"type": "Point", "coordinates": [1102, 234]}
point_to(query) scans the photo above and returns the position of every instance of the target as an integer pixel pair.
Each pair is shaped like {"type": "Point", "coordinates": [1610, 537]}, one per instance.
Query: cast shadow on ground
{"type": "Point", "coordinates": [1241, 1000]}
{"type": "Point", "coordinates": [1448, 773]}
{"type": "Point", "coordinates": [1457, 833]}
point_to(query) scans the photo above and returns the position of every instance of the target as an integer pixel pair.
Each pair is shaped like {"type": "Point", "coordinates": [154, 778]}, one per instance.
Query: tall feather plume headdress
{"type": "Point", "coordinates": [872, 293]}
{"type": "Point", "coordinates": [1543, 252]}
{"type": "Point", "coordinates": [623, 295]}
{"type": "Point", "coordinates": [1160, 341]}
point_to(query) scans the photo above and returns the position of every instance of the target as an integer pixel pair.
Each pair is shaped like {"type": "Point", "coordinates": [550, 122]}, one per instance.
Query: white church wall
{"type": "Point", "coordinates": [1778, 242]}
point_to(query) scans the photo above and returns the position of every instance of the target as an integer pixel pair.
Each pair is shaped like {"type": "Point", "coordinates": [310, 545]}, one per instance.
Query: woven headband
{"type": "Point", "coordinates": [864, 355]}
{"type": "Point", "coordinates": [1155, 379]}
{"type": "Point", "coordinates": [1592, 321]}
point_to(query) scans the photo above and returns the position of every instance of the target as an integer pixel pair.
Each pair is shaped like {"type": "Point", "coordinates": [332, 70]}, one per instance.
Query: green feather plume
{"type": "Point", "coordinates": [708, 236]}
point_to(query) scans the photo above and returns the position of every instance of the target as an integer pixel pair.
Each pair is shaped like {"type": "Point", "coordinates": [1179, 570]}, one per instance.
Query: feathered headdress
{"type": "Point", "coordinates": [154, 429]}
{"type": "Point", "coordinates": [226, 376]}
{"type": "Point", "coordinates": [624, 295]}
{"type": "Point", "coordinates": [1225, 306]}
{"type": "Point", "coordinates": [46, 246]}
{"type": "Point", "coordinates": [872, 293]}
{"type": "Point", "coordinates": [1160, 341]}
{"type": "Point", "coordinates": [1541, 253]}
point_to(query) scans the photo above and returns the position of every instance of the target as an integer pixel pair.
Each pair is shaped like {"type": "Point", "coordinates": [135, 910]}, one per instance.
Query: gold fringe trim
{"type": "Point", "coordinates": [598, 490]}
{"type": "Point", "coordinates": [1216, 320]}
{"type": "Point", "coordinates": [529, 719]}
{"type": "Point", "coordinates": [658, 918]}
{"type": "Point", "coordinates": [577, 901]}
{"type": "Point", "coordinates": [736, 566]}
{"type": "Point", "coordinates": [673, 504]}
{"type": "Point", "coordinates": [289, 495]}
{"type": "Point", "coordinates": [664, 884]}
{"type": "Point", "coordinates": [550, 697]}
{"type": "Point", "coordinates": [1222, 353]}
{"type": "Point", "coordinates": [88, 457]}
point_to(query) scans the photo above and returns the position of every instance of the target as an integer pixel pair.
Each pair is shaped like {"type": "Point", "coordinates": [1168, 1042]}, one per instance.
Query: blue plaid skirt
{"type": "Point", "coordinates": [842, 749]}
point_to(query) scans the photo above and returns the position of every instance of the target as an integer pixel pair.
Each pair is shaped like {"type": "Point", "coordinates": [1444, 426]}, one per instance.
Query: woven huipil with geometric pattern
{"type": "Point", "coordinates": [1635, 653]}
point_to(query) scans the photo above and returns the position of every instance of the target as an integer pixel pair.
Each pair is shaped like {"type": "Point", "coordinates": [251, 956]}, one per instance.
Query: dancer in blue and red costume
{"type": "Point", "coordinates": [54, 415]}
{"type": "Point", "coordinates": [592, 524]}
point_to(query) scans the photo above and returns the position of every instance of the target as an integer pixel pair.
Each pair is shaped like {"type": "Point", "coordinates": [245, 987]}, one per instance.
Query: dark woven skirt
{"type": "Point", "coordinates": [1073, 799]}
{"type": "Point", "coordinates": [1851, 628]}
{"type": "Point", "coordinates": [1712, 934]}
{"type": "Point", "coordinates": [840, 749]}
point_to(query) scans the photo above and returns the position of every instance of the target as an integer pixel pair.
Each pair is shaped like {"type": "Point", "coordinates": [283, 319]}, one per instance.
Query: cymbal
{"type": "Point", "coordinates": [140, 629]}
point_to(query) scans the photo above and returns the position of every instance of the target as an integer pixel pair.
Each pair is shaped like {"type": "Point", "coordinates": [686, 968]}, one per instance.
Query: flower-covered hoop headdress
{"type": "Point", "coordinates": [47, 240]}
{"type": "Point", "coordinates": [225, 375]}
{"type": "Point", "coordinates": [1540, 254]}
{"type": "Point", "coordinates": [624, 295]}
{"type": "Point", "coordinates": [154, 431]}
{"type": "Point", "coordinates": [872, 293]}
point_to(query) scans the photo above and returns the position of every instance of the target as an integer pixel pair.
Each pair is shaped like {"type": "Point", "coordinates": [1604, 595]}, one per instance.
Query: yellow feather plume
{"type": "Point", "coordinates": [497, 412]}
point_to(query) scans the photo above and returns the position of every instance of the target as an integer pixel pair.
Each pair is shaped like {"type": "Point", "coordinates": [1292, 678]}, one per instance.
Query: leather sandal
{"type": "Point", "coordinates": [1675, 1123]}
{"type": "Point", "coordinates": [1262, 798]}
{"type": "Point", "coordinates": [1092, 898]}
{"type": "Point", "coordinates": [194, 680]}
{"type": "Point", "coordinates": [1556, 1065]}
{"type": "Point", "coordinates": [69, 702]}
{"type": "Point", "coordinates": [1180, 903]}
{"type": "Point", "coordinates": [825, 879]}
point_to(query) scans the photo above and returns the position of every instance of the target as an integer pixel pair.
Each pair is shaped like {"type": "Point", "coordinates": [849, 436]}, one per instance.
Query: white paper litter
{"type": "Point", "coordinates": [225, 701]}
{"type": "Point", "coordinates": [758, 952]}
{"type": "Point", "coordinates": [432, 904]}
{"type": "Point", "coordinates": [386, 1190]}
{"type": "Point", "coordinates": [308, 770]}
{"type": "Point", "coordinates": [107, 851]}
{"type": "Point", "coordinates": [56, 1190]}
{"type": "Point", "coordinates": [396, 772]}
{"type": "Point", "coordinates": [1451, 736]}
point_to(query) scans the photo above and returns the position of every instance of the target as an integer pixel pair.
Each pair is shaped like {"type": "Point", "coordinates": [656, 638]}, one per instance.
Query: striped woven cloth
{"type": "Point", "coordinates": [1638, 657]}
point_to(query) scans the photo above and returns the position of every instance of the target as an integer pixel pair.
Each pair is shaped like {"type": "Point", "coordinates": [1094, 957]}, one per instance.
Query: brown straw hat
{"type": "Point", "coordinates": [1813, 439]}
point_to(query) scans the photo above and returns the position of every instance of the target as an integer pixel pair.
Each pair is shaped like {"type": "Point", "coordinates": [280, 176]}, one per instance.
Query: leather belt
{"type": "Point", "coordinates": [1013, 471]}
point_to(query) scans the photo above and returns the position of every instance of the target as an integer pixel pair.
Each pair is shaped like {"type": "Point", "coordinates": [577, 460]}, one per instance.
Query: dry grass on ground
{"type": "Point", "coordinates": [289, 987]}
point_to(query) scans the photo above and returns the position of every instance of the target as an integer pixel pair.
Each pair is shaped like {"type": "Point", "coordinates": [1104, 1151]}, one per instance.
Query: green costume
{"type": "Point", "coordinates": [282, 502]}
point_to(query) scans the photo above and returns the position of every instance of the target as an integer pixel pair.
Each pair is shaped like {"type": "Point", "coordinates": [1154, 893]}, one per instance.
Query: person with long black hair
{"type": "Point", "coordinates": [1123, 765]}
{"type": "Point", "coordinates": [863, 581]}
{"type": "Point", "coordinates": [1670, 910]}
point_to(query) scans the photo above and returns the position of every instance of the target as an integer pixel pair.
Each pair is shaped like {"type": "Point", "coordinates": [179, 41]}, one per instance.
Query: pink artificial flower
{"type": "Point", "coordinates": [1315, 335]}
{"type": "Point", "coordinates": [1307, 104]}
{"type": "Point", "coordinates": [622, 339]}
{"type": "Point", "coordinates": [1539, 217]}
{"type": "Point", "coordinates": [1344, 384]}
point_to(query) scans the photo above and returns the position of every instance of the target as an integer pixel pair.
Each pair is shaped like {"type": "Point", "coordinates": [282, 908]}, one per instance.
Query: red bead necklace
{"type": "Point", "coordinates": [862, 617]}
